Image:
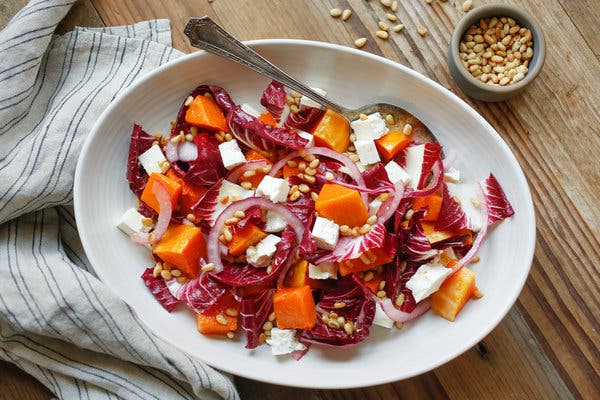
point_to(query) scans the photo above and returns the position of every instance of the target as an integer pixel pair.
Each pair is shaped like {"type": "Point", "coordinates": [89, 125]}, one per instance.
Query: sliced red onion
{"type": "Point", "coordinates": [187, 151]}
{"type": "Point", "coordinates": [435, 183]}
{"type": "Point", "coordinates": [480, 235]}
{"type": "Point", "coordinates": [177, 289]}
{"type": "Point", "coordinates": [388, 207]}
{"type": "Point", "coordinates": [450, 159]}
{"type": "Point", "coordinates": [165, 209]}
{"type": "Point", "coordinates": [171, 151]}
{"type": "Point", "coordinates": [400, 316]}
{"type": "Point", "coordinates": [214, 253]}
{"type": "Point", "coordinates": [238, 171]}
{"type": "Point", "coordinates": [298, 354]}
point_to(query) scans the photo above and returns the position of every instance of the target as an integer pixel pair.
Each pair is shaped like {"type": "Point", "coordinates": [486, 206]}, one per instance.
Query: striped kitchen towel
{"type": "Point", "coordinates": [58, 322]}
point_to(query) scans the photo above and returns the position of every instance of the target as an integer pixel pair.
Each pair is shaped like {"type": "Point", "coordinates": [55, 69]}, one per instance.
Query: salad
{"type": "Point", "coordinates": [286, 224]}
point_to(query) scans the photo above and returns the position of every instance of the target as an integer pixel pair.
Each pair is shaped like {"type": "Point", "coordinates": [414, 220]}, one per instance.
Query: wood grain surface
{"type": "Point", "coordinates": [548, 345]}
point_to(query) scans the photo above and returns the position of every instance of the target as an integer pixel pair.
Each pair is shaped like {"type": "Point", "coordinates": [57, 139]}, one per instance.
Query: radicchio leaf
{"type": "Point", "coordinates": [451, 217]}
{"type": "Point", "coordinates": [201, 293]}
{"type": "Point", "coordinates": [376, 177]}
{"type": "Point", "coordinates": [159, 289]}
{"type": "Point", "coordinates": [304, 119]}
{"type": "Point", "coordinates": [247, 275]}
{"type": "Point", "coordinates": [431, 155]}
{"type": "Point", "coordinates": [208, 167]}
{"type": "Point", "coordinates": [413, 241]}
{"type": "Point", "coordinates": [498, 205]}
{"type": "Point", "coordinates": [254, 311]}
{"type": "Point", "coordinates": [360, 309]}
{"type": "Point", "coordinates": [273, 99]}
{"type": "Point", "coordinates": [136, 176]}
{"type": "Point", "coordinates": [254, 134]}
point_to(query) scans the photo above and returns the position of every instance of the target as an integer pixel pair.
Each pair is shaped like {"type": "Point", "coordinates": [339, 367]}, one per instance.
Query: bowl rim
{"type": "Point", "coordinates": [498, 10]}
{"type": "Point", "coordinates": [376, 379]}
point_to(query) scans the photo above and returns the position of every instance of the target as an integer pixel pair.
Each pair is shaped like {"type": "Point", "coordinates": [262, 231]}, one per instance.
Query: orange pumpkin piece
{"type": "Point", "coordinates": [221, 318]}
{"type": "Point", "coordinates": [245, 237]}
{"type": "Point", "coordinates": [433, 204]}
{"type": "Point", "coordinates": [454, 293]}
{"type": "Point", "coordinates": [332, 131]}
{"type": "Point", "coordinates": [182, 246]}
{"type": "Point", "coordinates": [172, 186]}
{"type": "Point", "coordinates": [294, 308]}
{"type": "Point", "coordinates": [342, 205]}
{"type": "Point", "coordinates": [373, 284]}
{"type": "Point", "coordinates": [190, 193]}
{"type": "Point", "coordinates": [267, 119]}
{"type": "Point", "coordinates": [375, 258]}
{"type": "Point", "coordinates": [204, 112]}
{"type": "Point", "coordinates": [432, 235]}
{"type": "Point", "coordinates": [391, 143]}
{"type": "Point", "coordinates": [297, 276]}
{"type": "Point", "coordinates": [253, 155]}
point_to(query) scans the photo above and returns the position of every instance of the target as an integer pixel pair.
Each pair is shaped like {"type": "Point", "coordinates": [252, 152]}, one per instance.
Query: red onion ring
{"type": "Point", "coordinates": [400, 316]}
{"type": "Point", "coordinates": [171, 151]}
{"type": "Point", "coordinates": [238, 171]}
{"type": "Point", "coordinates": [388, 207]}
{"type": "Point", "coordinates": [187, 151]}
{"type": "Point", "coordinates": [214, 254]}
{"type": "Point", "coordinates": [165, 210]}
{"type": "Point", "coordinates": [480, 235]}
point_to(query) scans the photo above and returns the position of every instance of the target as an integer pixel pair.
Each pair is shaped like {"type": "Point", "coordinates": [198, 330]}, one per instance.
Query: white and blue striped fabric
{"type": "Point", "coordinates": [58, 322]}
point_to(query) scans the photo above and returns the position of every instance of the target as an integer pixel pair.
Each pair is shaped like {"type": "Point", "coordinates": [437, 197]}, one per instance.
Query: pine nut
{"type": "Point", "coordinates": [360, 42]}
{"type": "Point", "coordinates": [466, 6]}
{"type": "Point", "coordinates": [335, 12]}
{"type": "Point", "coordinates": [346, 14]}
{"type": "Point", "coordinates": [391, 17]}
{"type": "Point", "coordinates": [421, 30]}
{"type": "Point", "coordinates": [383, 26]}
{"type": "Point", "coordinates": [398, 28]}
{"type": "Point", "coordinates": [221, 319]}
{"type": "Point", "coordinates": [382, 34]}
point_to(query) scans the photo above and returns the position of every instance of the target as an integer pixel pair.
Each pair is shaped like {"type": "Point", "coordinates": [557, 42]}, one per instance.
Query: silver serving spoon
{"type": "Point", "coordinates": [205, 34]}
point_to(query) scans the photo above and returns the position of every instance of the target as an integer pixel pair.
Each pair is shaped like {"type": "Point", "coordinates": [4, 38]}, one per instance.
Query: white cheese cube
{"type": "Point", "coordinates": [275, 189]}
{"type": "Point", "coordinates": [283, 341]}
{"type": "Point", "coordinates": [414, 164]}
{"type": "Point", "coordinates": [381, 318]}
{"type": "Point", "coordinates": [231, 154]}
{"type": "Point", "coordinates": [396, 173]}
{"type": "Point", "coordinates": [152, 159]}
{"type": "Point", "coordinates": [275, 223]}
{"type": "Point", "coordinates": [247, 108]}
{"type": "Point", "coordinates": [326, 233]}
{"type": "Point", "coordinates": [371, 128]}
{"type": "Point", "coordinates": [323, 271]}
{"type": "Point", "coordinates": [228, 193]}
{"type": "Point", "coordinates": [261, 254]}
{"type": "Point", "coordinates": [427, 280]}
{"type": "Point", "coordinates": [305, 101]}
{"type": "Point", "coordinates": [131, 222]}
{"type": "Point", "coordinates": [466, 193]}
{"type": "Point", "coordinates": [452, 175]}
{"type": "Point", "coordinates": [367, 151]}
{"type": "Point", "coordinates": [309, 137]}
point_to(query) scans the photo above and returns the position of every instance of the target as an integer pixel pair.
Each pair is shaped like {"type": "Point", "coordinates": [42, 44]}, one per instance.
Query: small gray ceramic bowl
{"type": "Point", "coordinates": [472, 86]}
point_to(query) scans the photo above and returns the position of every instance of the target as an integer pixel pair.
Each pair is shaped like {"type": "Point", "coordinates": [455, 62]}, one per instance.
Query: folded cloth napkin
{"type": "Point", "coordinates": [58, 322]}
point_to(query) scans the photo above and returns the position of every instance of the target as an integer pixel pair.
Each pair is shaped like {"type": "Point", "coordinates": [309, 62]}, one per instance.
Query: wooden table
{"type": "Point", "coordinates": [548, 345]}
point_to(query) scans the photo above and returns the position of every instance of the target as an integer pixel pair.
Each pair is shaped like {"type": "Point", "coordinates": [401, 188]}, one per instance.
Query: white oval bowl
{"type": "Point", "coordinates": [353, 78]}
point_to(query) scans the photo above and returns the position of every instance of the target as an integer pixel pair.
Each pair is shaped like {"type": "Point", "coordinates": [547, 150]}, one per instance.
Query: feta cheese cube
{"type": "Point", "coordinates": [427, 280]}
{"type": "Point", "coordinates": [152, 159]}
{"type": "Point", "coordinates": [283, 341]}
{"type": "Point", "coordinates": [414, 164]}
{"type": "Point", "coordinates": [275, 223]}
{"type": "Point", "coordinates": [261, 254]}
{"type": "Point", "coordinates": [326, 233]}
{"type": "Point", "coordinates": [247, 108]}
{"type": "Point", "coordinates": [275, 189]}
{"type": "Point", "coordinates": [396, 173]}
{"type": "Point", "coordinates": [228, 193]}
{"type": "Point", "coordinates": [131, 222]}
{"type": "Point", "coordinates": [305, 101]}
{"type": "Point", "coordinates": [381, 317]}
{"type": "Point", "coordinates": [367, 151]}
{"type": "Point", "coordinates": [323, 271]}
{"type": "Point", "coordinates": [465, 193]}
{"type": "Point", "coordinates": [371, 128]}
{"type": "Point", "coordinates": [452, 175]}
{"type": "Point", "coordinates": [231, 154]}
{"type": "Point", "coordinates": [309, 137]}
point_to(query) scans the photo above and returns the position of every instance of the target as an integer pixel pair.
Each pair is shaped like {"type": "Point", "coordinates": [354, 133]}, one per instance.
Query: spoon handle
{"type": "Point", "coordinates": [205, 34]}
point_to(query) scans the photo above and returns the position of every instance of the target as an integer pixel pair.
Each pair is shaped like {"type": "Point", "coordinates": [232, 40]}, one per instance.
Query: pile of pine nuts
{"type": "Point", "coordinates": [497, 51]}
